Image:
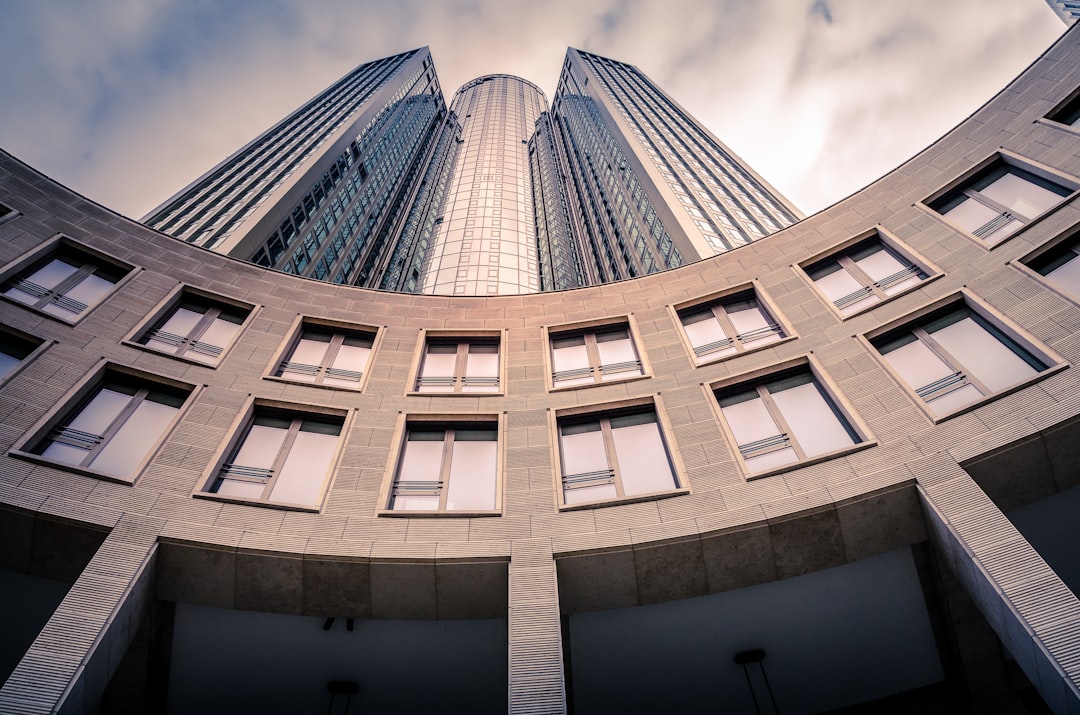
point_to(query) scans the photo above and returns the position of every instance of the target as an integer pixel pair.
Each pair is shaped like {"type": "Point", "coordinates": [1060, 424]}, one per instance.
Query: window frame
{"type": "Point", "coordinates": [718, 299]}
{"type": "Point", "coordinates": [40, 345]}
{"type": "Point", "coordinates": [1069, 236]}
{"type": "Point", "coordinates": [63, 247]}
{"type": "Point", "coordinates": [445, 421]}
{"type": "Point", "coordinates": [756, 379]}
{"type": "Point", "coordinates": [463, 339]}
{"type": "Point", "coordinates": [9, 214]}
{"type": "Point", "coordinates": [590, 329]}
{"type": "Point", "coordinates": [1000, 158]}
{"type": "Point", "coordinates": [77, 397]}
{"type": "Point", "coordinates": [964, 298]}
{"type": "Point", "coordinates": [1065, 115]}
{"type": "Point", "coordinates": [167, 307]}
{"type": "Point", "coordinates": [337, 328]}
{"type": "Point", "coordinates": [238, 432]}
{"type": "Point", "coordinates": [891, 244]}
{"type": "Point", "coordinates": [603, 412]}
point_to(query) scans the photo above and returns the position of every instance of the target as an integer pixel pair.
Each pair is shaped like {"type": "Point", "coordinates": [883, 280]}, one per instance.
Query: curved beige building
{"type": "Point", "coordinates": [833, 470]}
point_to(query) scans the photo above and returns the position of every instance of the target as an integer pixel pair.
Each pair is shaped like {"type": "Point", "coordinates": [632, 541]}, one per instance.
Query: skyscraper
{"type": "Point", "coordinates": [832, 471]}
{"type": "Point", "coordinates": [374, 183]}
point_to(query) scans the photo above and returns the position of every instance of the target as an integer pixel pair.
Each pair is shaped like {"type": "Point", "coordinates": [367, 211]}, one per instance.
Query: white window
{"type": "Point", "coordinates": [863, 275]}
{"type": "Point", "coordinates": [283, 457]}
{"type": "Point", "coordinates": [599, 355]}
{"type": "Point", "coordinates": [729, 326]}
{"type": "Point", "coordinates": [451, 365]}
{"type": "Point", "coordinates": [613, 456]}
{"type": "Point", "coordinates": [997, 202]}
{"type": "Point", "coordinates": [66, 284]}
{"type": "Point", "coordinates": [326, 356]}
{"type": "Point", "coordinates": [115, 427]}
{"type": "Point", "coordinates": [447, 468]}
{"type": "Point", "coordinates": [784, 420]}
{"type": "Point", "coordinates": [1061, 266]}
{"type": "Point", "coordinates": [196, 328]}
{"type": "Point", "coordinates": [955, 358]}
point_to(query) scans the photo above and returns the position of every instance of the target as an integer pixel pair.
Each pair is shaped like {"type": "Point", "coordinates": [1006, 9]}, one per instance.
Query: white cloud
{"type": "Point", "coordinates": [128, 100]}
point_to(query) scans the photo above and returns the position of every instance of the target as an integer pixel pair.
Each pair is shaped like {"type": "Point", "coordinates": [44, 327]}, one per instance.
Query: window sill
{"type": "Point", "coordinates": [724, 358]}
{"type": "Point", "coordinates": [652, 496]}
{"type": "Point", "coordinates": [938, 419]}
{"type": "Point", "coordinates": [430, 514]}
{"type": "Point", "coordinates": [417, 393]}
{"type": "Point", "coordinates": [257, 502]}
{"type": "Point", "coordinates": [585, 386]}
{"type": "Point", "coordinates": [792, 466]}
{"type": "Point", "coordinates": [72, 322]}
{"type": "Point", "coordinates": [84, 471]}
{"type": "Point", "coordinates": [891, 298]}
{"type": "Point", "coordinates": [190, 361]}
{"type": "Point", "coordinates": [338, 388]}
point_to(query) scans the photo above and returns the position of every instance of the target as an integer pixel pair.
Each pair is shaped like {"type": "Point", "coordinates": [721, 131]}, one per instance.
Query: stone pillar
{"type": "Point", "coordinates": [71, 661]}
{"type": "Point", "coordinates": [536, 668]}
{"type": "Point", "coordinates": [1034, 614]}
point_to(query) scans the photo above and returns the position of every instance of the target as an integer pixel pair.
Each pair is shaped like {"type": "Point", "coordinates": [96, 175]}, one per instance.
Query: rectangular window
{"type": "Point", "coordinates": [14, 348]}
{"type": "Point", "coordinates": [956, 357]}
{"type": "Point", "coordinates": [613, 456]}
{"type": "Point", "coordinates": [464, 366]}
{"type": "Point", "coordinates": [729, 326]}
{"type": "Point", "coordinates": [864, 275]}
{"type": "Point", "coordinates": [447, 468]}
{"type": "Point", "coordinates": [593, 356]}
{"type": "Point", "coordinates": [1067, 113]}
{"type": "Point", "coordinates": [197, 328]}
{"type": "Point", "coordinates": [283, 457]}
{"type": "Point", "coordinates": [66, 283]}
{"type": "Point", "coordinates": [1061, 266]}
{"type": "Point", "coordinates": [999, 200]}
{"type": "Point", "coordinates": [327, 356]}
{"type": "Point", "coordinates": [113, 429]}
{"type": "Point", "coordinates": [786, 419]}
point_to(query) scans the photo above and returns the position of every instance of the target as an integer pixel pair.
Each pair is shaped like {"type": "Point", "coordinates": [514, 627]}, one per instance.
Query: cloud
{"type": "Point", "coordinates": [127, 101]}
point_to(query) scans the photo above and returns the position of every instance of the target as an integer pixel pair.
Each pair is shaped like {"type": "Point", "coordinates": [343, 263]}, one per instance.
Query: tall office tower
{"type": "Point", "coordinates": [374, 183]}
{"type": "Point", "coordinates": [1067, 10]}
{"type": "Point", "coordinates": [322, 192]}
{"type": "Point", "coordinates": [484, 238]}
{"type": "Point", "coordinates": [653, 188]}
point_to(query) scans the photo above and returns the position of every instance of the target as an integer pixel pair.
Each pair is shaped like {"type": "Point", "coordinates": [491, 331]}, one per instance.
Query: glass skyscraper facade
{"type": "Point", "coordinates": [375, 182]}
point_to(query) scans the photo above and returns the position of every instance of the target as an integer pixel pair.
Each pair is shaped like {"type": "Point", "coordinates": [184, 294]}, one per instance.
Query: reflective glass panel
{"type": "Point", "coordinates": [814, 424]}
{"type": "Point", "coordinates": [473, 474]}
{"type": "Point", "coordinates": [993, 363]}
{"type": "Point", "coordinates": [304, 471]}
{"type": "Point", "coordinates": [639, 449]}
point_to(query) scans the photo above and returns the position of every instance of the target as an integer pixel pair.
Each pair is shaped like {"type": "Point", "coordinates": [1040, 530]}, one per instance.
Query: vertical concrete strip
{"type": "Point", "coordinates": [536, 669]}
{"type": "Point", "coordinates": [70, 663]}
{"type": "Point", "coordinates": [1032, 611]}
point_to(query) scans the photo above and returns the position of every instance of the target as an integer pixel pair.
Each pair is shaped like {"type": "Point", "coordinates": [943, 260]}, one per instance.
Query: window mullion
{"type": "Point", "coordinates": [460, 365]}
{"type": "Point", "coordinates": [594, 355]}
{"type": "Point", "coordinates": [778, 417]}
{"type": "Point", "coordinates": [727, 326]}
{"type": "Point", "coordinates": [848, 264]}
{"type": "Point", "coordinates": [113, 427]}
{"type": "Point", "coordinates": [61, 289]}
{"type": "Point", "coordinates": [955, 365]}
{"type": "Point", "coordinates": [282, 455]}
{"type": "Point", "coordinates": [990, 203]}
{"type": "Point", "coordinates": [612, 456]}
{"type": "Point", "coordinates": [444, 467]}
{"type": "Point", "coordinates": [200, 328]}
{"type": "Point", "coordinates": [332, 349]}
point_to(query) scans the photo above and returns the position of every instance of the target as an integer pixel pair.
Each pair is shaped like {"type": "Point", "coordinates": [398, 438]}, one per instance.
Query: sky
{"type": "Point", "coordinates": [127, 101]}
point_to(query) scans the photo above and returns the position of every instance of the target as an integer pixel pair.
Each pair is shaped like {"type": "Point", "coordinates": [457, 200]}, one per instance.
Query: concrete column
{"type": "Point", "coordinates": [536, 670]}
{"type": "Point", "coordinates": [1034, 614]}
{"type": "Point", "coordinates": [71, 661]}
